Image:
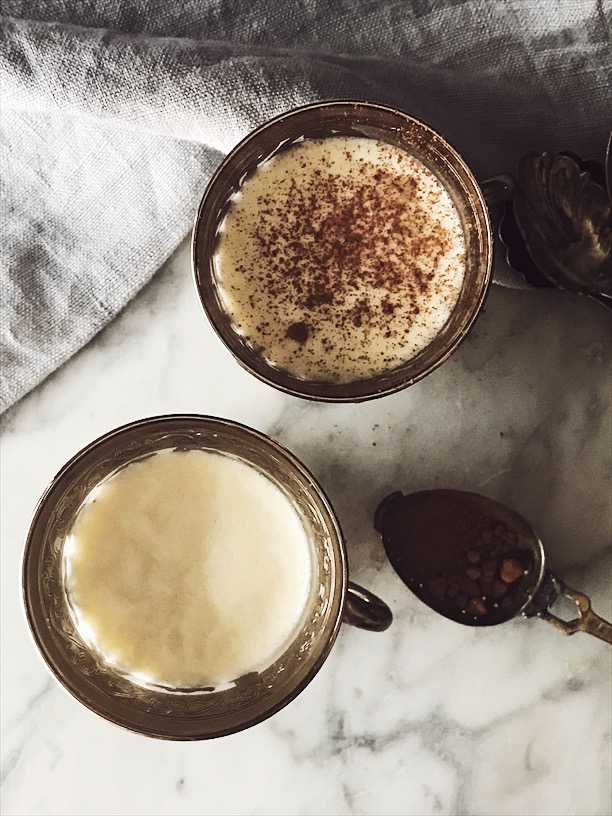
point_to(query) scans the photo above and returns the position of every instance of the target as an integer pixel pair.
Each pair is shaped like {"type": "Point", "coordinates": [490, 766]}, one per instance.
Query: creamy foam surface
{"type": "Point", "coordinates": [340, 258]}
{"type": "Point", "coordinates": [188, 569]}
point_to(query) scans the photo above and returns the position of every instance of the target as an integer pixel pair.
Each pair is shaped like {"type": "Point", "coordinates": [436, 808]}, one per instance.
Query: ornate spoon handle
{"type": "Point", "coordinates": [588, 621]}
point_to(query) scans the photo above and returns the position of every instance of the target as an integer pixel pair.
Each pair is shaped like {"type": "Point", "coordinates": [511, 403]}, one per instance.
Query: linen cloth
{"type": "Point", "coordinates": [115, 113]}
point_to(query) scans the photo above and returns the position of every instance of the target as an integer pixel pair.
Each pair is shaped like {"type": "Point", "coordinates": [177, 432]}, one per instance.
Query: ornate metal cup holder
{"type": "Point", "coordinates": [557, 226]}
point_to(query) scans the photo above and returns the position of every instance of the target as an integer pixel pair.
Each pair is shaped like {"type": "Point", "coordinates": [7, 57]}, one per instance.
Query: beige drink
{"type": "Point", "coordinates": [340, 258]}
{"type": "Point", "coordinates": [188, 569]}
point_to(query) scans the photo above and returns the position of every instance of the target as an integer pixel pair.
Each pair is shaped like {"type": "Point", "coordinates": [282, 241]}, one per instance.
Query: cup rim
{"type": "Point", "coordinates": [313, 389]}
{"type": "Point", "coordinates": [161, 726]}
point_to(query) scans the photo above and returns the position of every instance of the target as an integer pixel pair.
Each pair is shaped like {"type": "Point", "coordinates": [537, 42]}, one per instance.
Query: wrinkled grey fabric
{"type": "Point", "coordinates": [115, 113]}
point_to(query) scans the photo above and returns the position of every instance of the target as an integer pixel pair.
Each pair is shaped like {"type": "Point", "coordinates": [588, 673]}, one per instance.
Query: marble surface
{"type": "Point", "coordinates": [429, 717]}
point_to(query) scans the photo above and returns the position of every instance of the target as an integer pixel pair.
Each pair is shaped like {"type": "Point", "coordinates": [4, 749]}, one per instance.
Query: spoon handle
{"type": "Point", "coordinates": [589, 621]}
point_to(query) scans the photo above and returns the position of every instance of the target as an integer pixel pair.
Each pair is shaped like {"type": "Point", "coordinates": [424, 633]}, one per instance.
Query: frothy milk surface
{"type": "Point", "coordinates": [188, 569]}
{"type": "Point", "coordinates": [340, 258]}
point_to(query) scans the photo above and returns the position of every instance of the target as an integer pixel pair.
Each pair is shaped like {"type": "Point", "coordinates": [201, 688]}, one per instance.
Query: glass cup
{"type": "Point", "coordinates": [198, 713]}
{"type": "Point", "coordinates": [362, 119]}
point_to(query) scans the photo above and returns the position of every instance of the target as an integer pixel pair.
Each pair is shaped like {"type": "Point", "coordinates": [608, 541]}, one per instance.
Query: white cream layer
{"type": "Point", "coordinates": [188, 569]}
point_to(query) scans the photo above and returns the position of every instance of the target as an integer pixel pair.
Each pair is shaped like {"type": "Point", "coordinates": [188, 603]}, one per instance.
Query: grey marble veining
{"type": "Point", "coordinates": [429, 717]}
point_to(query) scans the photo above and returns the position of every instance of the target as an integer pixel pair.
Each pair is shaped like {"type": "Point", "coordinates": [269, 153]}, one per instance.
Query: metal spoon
{"type": "Point", "coordinates": [475, 561]}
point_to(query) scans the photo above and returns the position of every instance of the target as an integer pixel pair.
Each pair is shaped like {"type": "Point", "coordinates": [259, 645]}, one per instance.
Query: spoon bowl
{"type": "Point", "coordinates": [475, 561]}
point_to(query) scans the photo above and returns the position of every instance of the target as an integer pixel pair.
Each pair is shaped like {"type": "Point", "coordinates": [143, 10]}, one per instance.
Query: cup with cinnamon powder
{"type": "Point", "coordinates": [342, 251]}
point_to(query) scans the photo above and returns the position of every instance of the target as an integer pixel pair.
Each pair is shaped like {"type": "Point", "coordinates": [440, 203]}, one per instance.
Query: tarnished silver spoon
{"type": "Point", "coordinates": [475, 561]}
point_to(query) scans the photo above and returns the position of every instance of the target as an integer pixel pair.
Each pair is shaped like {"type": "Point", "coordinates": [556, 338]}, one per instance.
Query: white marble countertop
{"type": "Point", "coordinates": [428, 717]}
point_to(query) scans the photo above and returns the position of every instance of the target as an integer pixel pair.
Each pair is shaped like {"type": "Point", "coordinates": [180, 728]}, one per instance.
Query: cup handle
{"type": "Point", "coordinates": [366, 610]}
{"type": "Point", "coordinates": [497, 189]}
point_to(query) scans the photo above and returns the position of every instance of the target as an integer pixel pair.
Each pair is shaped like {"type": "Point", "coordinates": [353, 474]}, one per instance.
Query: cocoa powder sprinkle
{"type": "Point", "coordinates": [298, 332]}
{"type": "Point", "coordinates": [346, 244]}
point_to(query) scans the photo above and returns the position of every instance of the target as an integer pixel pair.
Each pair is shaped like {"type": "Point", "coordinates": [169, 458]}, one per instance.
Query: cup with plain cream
{"type": "Point", "coordinates": [185, 577]}
{"type": "Point", "coordinates": [342, 251]}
